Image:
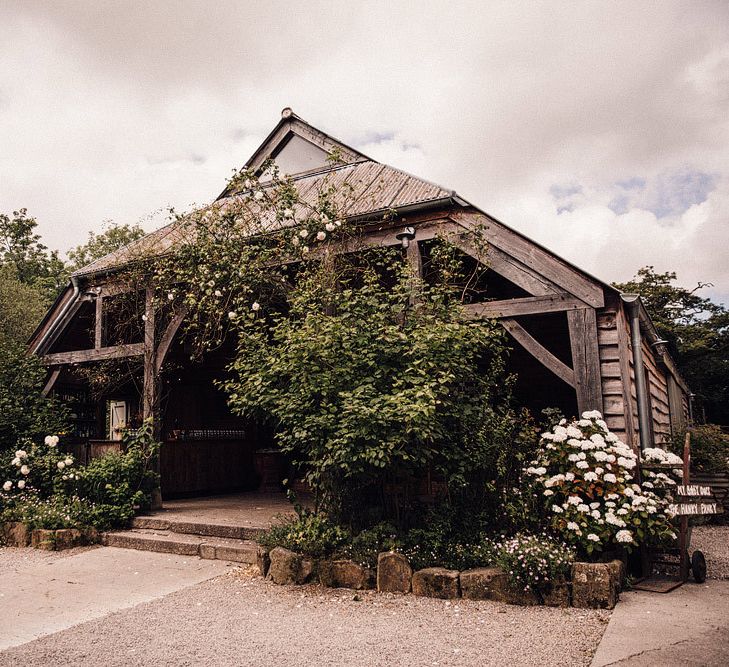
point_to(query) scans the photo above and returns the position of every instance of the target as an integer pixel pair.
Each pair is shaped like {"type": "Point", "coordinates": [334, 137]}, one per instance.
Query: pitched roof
{"type": "Point", "coordinates": [372, 188]}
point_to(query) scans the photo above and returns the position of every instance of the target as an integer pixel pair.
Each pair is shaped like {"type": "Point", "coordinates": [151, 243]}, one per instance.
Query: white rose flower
{"type": "Point", "coordinates": [170, 296]}
{"type": "Point", "coordinates": [69, 461]}
{"type": "Point", "coordinates": [304, 233]}
{"type": "Point", "coordinates": [218, 293]}
{"type": "Point", "coordinates": [25, 470]}
{"type": "Point", "coordinates": [321, 236]}
{"type": "Point", "coordinates": [256, 306]}
{"type": "Point", "coordinates": [15, 461]}
{"type": "Point", "coordinates": [60, 465]}
{"type": "Point", "coordinates": [330, 227]}
{"type": "Point", "coordinates": [549, 492]}
{"type": "Point", "coordinates": [557, 509]}
{"type": "Point", "coordinates": [232, 315]}
{"type": "Point", "coordinates": [7, 486]}
{"type": "Point", "coordinates": [21, 484]}
{"type": "Point", "coordinates": [21, 454]}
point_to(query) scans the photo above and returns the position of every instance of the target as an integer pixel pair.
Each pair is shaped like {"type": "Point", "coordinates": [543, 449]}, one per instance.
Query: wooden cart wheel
{"type": "Point", "coordinates": [698, 567]}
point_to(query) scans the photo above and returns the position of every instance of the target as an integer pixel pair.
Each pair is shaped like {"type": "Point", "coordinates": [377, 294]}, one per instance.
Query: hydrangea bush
{"type": "Point", "coordinates": [586, 476]}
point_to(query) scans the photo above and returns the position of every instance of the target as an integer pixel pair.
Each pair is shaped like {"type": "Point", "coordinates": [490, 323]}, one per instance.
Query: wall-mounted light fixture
{"type": "Point", "coordinates": [405, 236]}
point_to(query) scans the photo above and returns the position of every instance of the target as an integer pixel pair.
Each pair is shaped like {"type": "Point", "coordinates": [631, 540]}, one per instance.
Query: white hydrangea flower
{"type": "Point", "coordinates": [548, 492]}
{"type": "Point", "coordinates": [595, 514]}
{"type": "Point", "coordinates": [592, 414]}
{"type": "Point", "coordinates": [573, 432]}
{"type": "Point", "coordinates": [582, 465]}
{"type": "Point", "coordinates": [609, 477]}
{"type": "Point", "coordinates": [592, 537]}
{"type": "Point", "coordinates": [574, 500]}
{"type": "Point", "coordinates": [583, 508]}
{"type": "Point", "coordinates": [624, 536]}
{"type": "Point", "coordinates": [590, 477]}
{"type": "Point", "coordinates": [569, 476]}
{"type": "Point", "coordinates": [557, 509]}
{"type": "Point", "coordinates": [571, 525]}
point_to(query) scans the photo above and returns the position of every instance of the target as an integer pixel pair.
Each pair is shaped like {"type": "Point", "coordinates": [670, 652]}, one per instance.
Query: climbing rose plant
{"type": "Point", "coordinates": [586, 476]}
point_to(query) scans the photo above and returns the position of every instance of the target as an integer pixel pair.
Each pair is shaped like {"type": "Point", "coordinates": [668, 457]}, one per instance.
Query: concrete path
{"type": "Point", "coordinates": [687, 627]}
{"type": "Point", "coordinates": [38, 598]}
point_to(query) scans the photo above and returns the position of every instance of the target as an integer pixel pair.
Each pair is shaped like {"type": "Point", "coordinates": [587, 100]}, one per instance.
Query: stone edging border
{"type": "Point", "coordinates": [17, 534]}
{"type": "Point", "coordinates": [592, 585]}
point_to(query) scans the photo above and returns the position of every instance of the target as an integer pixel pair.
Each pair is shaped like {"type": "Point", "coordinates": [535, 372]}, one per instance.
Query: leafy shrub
{"type": "Point", "coordinates": [709, 448]}
{"type": "Point", "coordinates": [366, 545]}
{"type": "Point", "coordinates": [45, 489]}
{"type": "Point", "coordinates": [533, 562]}
{"type": "Point", "coordinates": [309, 533]}
{"type": "Point", "coordinates": [584, 474]}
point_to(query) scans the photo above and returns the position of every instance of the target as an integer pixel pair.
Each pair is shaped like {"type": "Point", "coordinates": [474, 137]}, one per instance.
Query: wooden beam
{"type": "Point", "coordinates": [553, 268]}
{"type": "Point", "coordinates": [83, 356]}
{"type": "Point", "coordinates": [538, 351]}
{"type": "Point", "coordinates": [585, 358]}
{"type": "Point", "coordinates": [51, 381]}
{"type": "Point", "coordinates": [415, 260]}
{"type": "Point", "coordinates": [99, 322]}
{"type": "Point", "coordinates": [150, 377]}
{"type": "Point", "coordinates": [167, 337]}
{"type": "Point", "coordinates": [530, 305]}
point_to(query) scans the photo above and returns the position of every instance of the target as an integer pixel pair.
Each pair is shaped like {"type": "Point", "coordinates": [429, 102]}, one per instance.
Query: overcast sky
{"type": "Point", "coordinates": [599, 129]}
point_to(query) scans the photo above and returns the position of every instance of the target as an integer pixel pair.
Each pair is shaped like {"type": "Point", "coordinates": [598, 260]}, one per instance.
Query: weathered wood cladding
{"type": "Point", "coordinates": [658, 390]}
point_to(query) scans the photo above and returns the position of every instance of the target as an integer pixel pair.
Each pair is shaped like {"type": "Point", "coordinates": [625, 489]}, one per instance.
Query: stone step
{"type": "Point", "coordinates": [164, 541]}
{"type": "Point", "coordinates": [197, 528]}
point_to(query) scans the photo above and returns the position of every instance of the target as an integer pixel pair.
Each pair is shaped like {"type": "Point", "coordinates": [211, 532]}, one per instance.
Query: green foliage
{"type": "Point", "coordinates": [533, 562]}
{"type": "Point", "coordinates": [697, 331]}
{"type": "Point", "coordinates": [369, 543]}
{"type": "Point", "coordinates": [24, 413]}
{"type": "Point", "coordinates": [113, 238]}
{"type": "Point", "coordinates": [309, 533]}
{"type": "Point", "coordinates": [22, 307]}
{"type": "Point", "coordinates": [29, 261]}
{"type": "Point", "coordinates": [46, 489]}
{"type": "Point", "coordinates": [709, 448]}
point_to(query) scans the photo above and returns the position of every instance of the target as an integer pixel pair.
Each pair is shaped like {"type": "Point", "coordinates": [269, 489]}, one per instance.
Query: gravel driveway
{"type": "Point", "coordinates": [714, 542]}
{"type": "Point", "coordinates": [239, 619]}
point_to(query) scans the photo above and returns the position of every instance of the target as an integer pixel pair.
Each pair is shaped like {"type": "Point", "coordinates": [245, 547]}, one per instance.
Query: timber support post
{"type": "Point", "coordinates": [150, 391]}
{"type": "Point", "coordinates": [582, 324]}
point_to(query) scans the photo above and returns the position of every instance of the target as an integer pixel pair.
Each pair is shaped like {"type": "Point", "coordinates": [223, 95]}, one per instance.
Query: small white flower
{"type": "Point", "coordinates": [218, 293]}
{"type": "Point", "coordinates": [592, 414]}
{"type": "Point", "coordinates": [258, 196]}
{"type": "Point", "coordinates": [170, 296]}
{"type": "Point", "coordinates": [549, 492]}
{"type": "Point", "coordinates": [569, 476]}
{"type": "Point", "coordinates": [583, 508]}
{"type": "Point", "coordinates": [321, 236]}
{"type": "Point", "coordinates": [571, 525]}
{"type": "Point", "coordinates": [21, 454]}
{"type": "Point", "coordinates": [304, 233]}
{"type": "Point", "coordinates": [557, 509]}
{"type": "Point", "coordinates": [69, 461]}
{"type": "Point", "coordinates": [60, 465]}
{"type": "Point", "coordinates": [25, 470]}
{"type": "Point", "coordinates": [21, 484]}
{"type": "Point", "coordinates": [590, 477]}
{"type": "Point", "coordinates": [256, 306]}
{"type": "Point", "coordinates": [574, 500]}
{"type": "Point", "coordinates": [295, 240]}
{"type": "Point", "coordinates": [582, 465]}
{"type": "Point", "coordinates": [592, 537]}
{"type": "Point", "coordinates": [624, 536]}
{"type": "Point", "coordinates": [288, 213]}
{"type": "Point", "coordinates": [609, 477]}
{"type": "Point", "coordinates": [330, 227]}
{"type": "Point", "coordinates": [15, 461]}
{"type": "Point", "coordinates": [7, 486]}
{"type": "Point", "coordinates": [232, 315]}
{"type": "Point", "coordinates": [305, 249]}
{"type": "Point", "coordinates": [144, 318]}
{"type": "Point", "coordinates": [248, 182]}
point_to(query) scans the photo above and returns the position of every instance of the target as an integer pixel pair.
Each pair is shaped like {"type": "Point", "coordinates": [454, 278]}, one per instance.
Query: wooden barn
{"type": "Point", "coordinates": [578, 343]}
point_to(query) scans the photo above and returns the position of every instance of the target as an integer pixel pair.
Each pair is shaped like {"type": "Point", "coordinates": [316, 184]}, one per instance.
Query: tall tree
{"type": "Point", "coordinates": [112, 238]}
{"type": "Point", "coordinates": [697, 331]}
{"type": "Point", "coordinates": [29, 260]}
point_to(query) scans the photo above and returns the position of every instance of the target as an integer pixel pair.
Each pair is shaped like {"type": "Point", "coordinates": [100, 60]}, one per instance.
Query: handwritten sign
{"type": "Point", "coordinates": [693, 509]}
{"type": "Point", "coordinates": [694, 490]}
